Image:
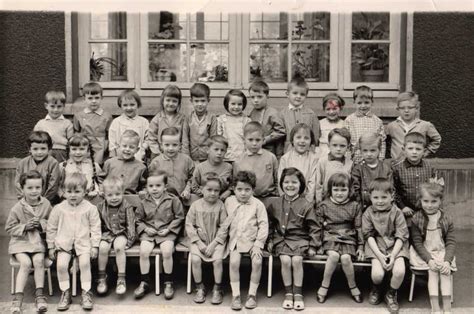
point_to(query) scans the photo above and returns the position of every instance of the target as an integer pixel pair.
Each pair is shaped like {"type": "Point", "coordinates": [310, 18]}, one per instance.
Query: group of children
{"type": "Point", "coordinates": [233, 185]}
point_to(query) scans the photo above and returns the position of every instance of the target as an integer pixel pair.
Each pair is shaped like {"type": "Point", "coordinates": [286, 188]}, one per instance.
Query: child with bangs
{"type": "Point", "coordinates": [339, 221]}
{"type": "Point", "coordinates": [55, 124]}
{"type": "Point", "coordinates": [169, 116]}
{"type": "Point", "coordinates": [302, 158]}
{"type": "Point", "coordinates": [332, 106]}
{"type": "Point", "coordinates": [129, 101]}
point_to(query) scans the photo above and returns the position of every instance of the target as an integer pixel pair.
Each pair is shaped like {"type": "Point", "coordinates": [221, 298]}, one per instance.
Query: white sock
{"type": "Point", "coordinates": [253, 288]}
{"type": "Point", "coordinates": [235, 288]}
{"type": "Point", "coordinates": [86, 286]}
{"type": "Point", "coordinates": [64, 285]}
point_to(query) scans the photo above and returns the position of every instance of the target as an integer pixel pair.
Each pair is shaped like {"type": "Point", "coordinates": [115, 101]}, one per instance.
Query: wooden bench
{"type": "Point", "coordinates": [317, 259]}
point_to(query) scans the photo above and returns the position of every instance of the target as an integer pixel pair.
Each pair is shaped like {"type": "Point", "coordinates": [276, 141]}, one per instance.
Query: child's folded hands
{"type": "Point", "coordinates": [150, 231]}
{"type": "Point", "coordinates": [311, 252]}
{"type": "Point", "coordinates": [52, 254]}
{"type": "Point", "coordinates": [210, 249]}
{"type": "Point", "coordinates": [202, 247]}
{"type": "Point", "coordinates": [256, 252]}
{"type": "Point", "coordinates": [163, 232]}
{"type": "Point", "coordinates": [94, 252]}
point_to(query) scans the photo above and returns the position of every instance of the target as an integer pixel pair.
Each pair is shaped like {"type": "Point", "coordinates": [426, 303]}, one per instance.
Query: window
{"type": "Point", "coordinates": [332, 51]}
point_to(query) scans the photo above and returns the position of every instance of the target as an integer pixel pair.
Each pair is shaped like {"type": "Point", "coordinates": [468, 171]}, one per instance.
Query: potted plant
{"type": "Point", "coordinates": [97, 70]}
{"type": "Point", "coordinates": [371, 58]}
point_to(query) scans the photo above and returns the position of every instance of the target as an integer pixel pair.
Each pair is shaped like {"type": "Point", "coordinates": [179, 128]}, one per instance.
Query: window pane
{"type": "Point", "coordinates": [269, 61]}
{"type": "Point", "coordinates": [166, 25]}
{"type": "Point", "coordinates": [209, 62]}
{"type": "Point", "coordinates": [370, 26]}
{"type": "Point", "coordinates": [167, 62]}
{"type": "Point", "coordinates": [109, 25]}
{"type": "Point", "coordinates": [370, 62]}
{"type": "Point", "coordinates": [269, 26]}
{"type": "Point", "coordinates": [310, 26]}
{"type": "Point", "coordinates": [209, 26]}
{"type": "Point", "coordinates": [311, 61]}
{"type": "Point", "coordinates": [108, 62]}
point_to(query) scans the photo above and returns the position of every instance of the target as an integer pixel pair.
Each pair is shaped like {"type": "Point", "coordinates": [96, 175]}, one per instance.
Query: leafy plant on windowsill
{"type": "Point", "coordinates": [161, 58]}
{"type": "Point", "coordinates": [370, 58]}
{"type": "Point", "coordinates": [97, 68]}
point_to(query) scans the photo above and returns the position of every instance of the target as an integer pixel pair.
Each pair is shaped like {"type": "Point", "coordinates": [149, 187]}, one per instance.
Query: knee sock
{"type": "Point", "coordinates": [39, 292]}
{"type": "Point", "coordinates": [235, 288]}
{"type": "Point", "coordinates": [434, 300]}
{"type": "Point", "coordinates": [199, 285]}
{"type": "Point", "coordinates": [297, 290]}
{"type": "Point", "coordinates": [447, 303]}
{"type": "Point", "coordinates": [121, 276]}
{"type": "Point", "coordinates": [101, 274]}
{"type": "Point", "coordinates": [167, 277]}
{"type": "Point", "coordinates": [145, 278]}
{"type": "Point", "coordinates": [289, 289]}
{"type": "Point", "coordinates": [217, 286]}
{"type": "Point", "coordinates": [19, 297]}
{"type": "Point", "coordinates": [253, 288]}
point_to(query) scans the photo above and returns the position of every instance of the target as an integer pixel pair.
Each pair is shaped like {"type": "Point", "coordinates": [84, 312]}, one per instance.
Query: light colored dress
{"type": "Point", "coordinates": [232, 128]}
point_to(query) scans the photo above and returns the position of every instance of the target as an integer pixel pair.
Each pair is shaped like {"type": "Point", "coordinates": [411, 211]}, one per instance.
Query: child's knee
{"type": "Point", "coordinates": [297, 261]}
{"type": "Point", "coordinates": [119, 248]}
{"type": "Point", "coordinates": [377, 275]}
{"type": "Point", "coordinates": [25, 263]}
{"type": "Point", "coordinates": [217, 263]}
{"type": "Point", "coordinates": [167, 252]}
{"type": "Point", "coordinates": [84, 263]}
{"type": "Point", "coordinates": [398, 272]}
{"type": "Point", "coordinates": [196, 259]}
{"type": "Point", "coordinates": [257, 263]}
{"type": "Point", "coordinates": [346, 260]}
{"type": "Point", "coordinates": [333, 256]}
{"type": "Point", "coordinates": [38, 263]}
{"type": "Point", "coordinates": [285, 261]}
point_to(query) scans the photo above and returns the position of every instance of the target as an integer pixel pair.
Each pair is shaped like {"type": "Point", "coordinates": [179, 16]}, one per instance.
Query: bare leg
{"type": "Point", "coordinates": [25, 266]}
{"type": "Point", "coordinates": [433, 289]}
{"type": "Point", "coordinates": [120, 258]}
{"type": "Point", "coordinates": [85, 267]}
{"type": "Point", "coordinates": [38, 264]}
{"type": "Point", "coordinates": [331, 264]}
{"type": "Point", "coordinates": [167, 249]}
{"type": "Point", "coordinates": [196, 263]}
{"type": "Point", "coordinates": [145, 250]}
{"type": "Point", "coordinates": [62, 265]}
{"type": "Point", "coordinates": [218, 269]}
{"type": "Point", "coordinates": [104, 249]}
{"type": "Point", "coordinates": [286, 270]}
{"type": "Point", "coordinates": [234, 275]}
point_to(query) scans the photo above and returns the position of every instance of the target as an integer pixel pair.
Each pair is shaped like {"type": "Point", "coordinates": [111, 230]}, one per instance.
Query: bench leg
{"type": "Point", "coordinates": [452, 288]}
{"type": "Point", "coordinates": [13, 281]}
{"type": "Point", "coordinates": [189, 276]}
{"type": "Point", "coordinates": [74, 276]}
{"type": "Point", "coordinates": [412, 287]}
{"type": "Point", "coordinates": [50, 283]}
{"type": "Point", "coordinates": [157, 274]}
{"type": "Point", "coordinates": [270, 276]}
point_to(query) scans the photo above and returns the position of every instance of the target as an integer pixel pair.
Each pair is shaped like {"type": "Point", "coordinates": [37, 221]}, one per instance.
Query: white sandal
{"type": "Point", "coordinates": [288, 301]}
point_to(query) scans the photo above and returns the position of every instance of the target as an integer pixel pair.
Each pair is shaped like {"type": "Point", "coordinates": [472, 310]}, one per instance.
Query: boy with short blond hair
{"type": "Point", "coordinates": [273, 128]}
{"type": "Point", "coordinates": [296, 112]}
{"type": "Point", "coordinates": [259, 161]}
{"type": "Point", "coordinates": [93, 121]}
{"type": "Point", "coordinates": [364, 121]}
{"type": "Point", "coordinates": [409, 106]}
{"type": "Point", "coordinates": [55, 124]}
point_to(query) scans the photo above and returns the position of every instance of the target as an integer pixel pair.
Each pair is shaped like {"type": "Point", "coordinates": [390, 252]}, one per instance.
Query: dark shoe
{"type": "Point", "coordinates": [356, 295]}
{"type": "Point", "coordinates": [320, 296]}
{"type": "Point", "coordinates": [236, 303]}
{"type": "Point", "coordinates": [86, 301]}
{"type": "Point", "coordinates": [41, 303]}
{"type": "Point", "coordinates": [217, 296]}
{"type": "Point", "coordinates": [16, 307]}
{"type": "Point", "coordinates": [375, 296]}
{"type": "Point", "coordinates": [251, 302]}
{"type": "Point", "coordinates": [65, 300]}
{"type": "Point", "coordinates": [102, 285]}
{"type": "Point", "coordinates": [391, 300]}
{"type": "Point", "coordinates": [169, 290]}
{"type": "Point", "coordinates": [200, 296]}
{"type": "Point", "coordinates": [121, 286]}
{"type": "Point", "coordinates": [141, 290]}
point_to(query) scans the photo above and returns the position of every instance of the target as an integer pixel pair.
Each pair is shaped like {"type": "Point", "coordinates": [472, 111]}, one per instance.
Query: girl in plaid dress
{"type": "Point", "coordinates": [339, 222]}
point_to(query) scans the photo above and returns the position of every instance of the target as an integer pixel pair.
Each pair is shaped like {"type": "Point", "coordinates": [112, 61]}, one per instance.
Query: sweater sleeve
{"type": "Point", "coordinates": [278, 129]}
{"type": "Point", "coordinates": [262, 225]}
{"type": "Point", "coordinates": [140, 219]}
{"type": "Point", "coordinates": [313, 227]}
{"type": "Point", "coordinates": [434, 139]}
{"type": "Point", "coordinates": [95, 226]}
{"type": "Point", "coordinates": [151, 136]}
{"type": "Point", "coordinates": [449, 241]}
{"type": "Point", "coordinates": [52, 228]}
{"type": "Point", "coordinates": [417, 239]}
{"type": "Point", "coordinates": [185, 136]}
{"type": "Point", "coordinates": [190, 224]}
{"type": "Point", "coordinates": [113, 138]}
{"type": "Point", "coordinates": [131, 232]}
{"type": "Point", "coordinates": [383, 137]}
{"type": "Point", "coordinates": [13, 226]}
{"type": "Point", "coordinates": [222, 231]}
{"type": "Point", "coordinates": [319, 182]}
{"type": "Point", "coordinates": [176, 224]}
{"type": "Point", "coordinates": [54, 181]}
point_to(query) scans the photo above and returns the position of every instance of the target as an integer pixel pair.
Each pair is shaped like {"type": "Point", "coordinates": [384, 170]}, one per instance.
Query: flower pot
{"type": "Point", "coordinates": [372, 75]}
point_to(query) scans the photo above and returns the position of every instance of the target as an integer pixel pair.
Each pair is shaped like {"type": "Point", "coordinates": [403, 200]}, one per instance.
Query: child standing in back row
{"type": "Point", "coordinates": [231, 125]}
{"type": "Point", "coordinates": [93, 121]}
{"type": "Point", "coordinates": [364, 121]}
{"type": "Point", "coordinates": [169, 116]}
{"type": "Point", "coordinates": [59, 128]}
{"type": "Point", "coordinates": [296, 112]}
{"type": "Point", "coordinates": [273, 128]}
{"type": "Point", "coordinates": [202, 124]}
{"type": "Point", "coordinates": [332, 105]}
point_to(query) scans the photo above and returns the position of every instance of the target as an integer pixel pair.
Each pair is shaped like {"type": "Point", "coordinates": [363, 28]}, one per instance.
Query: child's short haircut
{"type": "Point", "coordinates": [333, 99]}
{"type": "Point", "coordinates": [75, 180]}
{"type": "Point", "coordinates": [217, 139]}
{"type": "Point", "coordinates": [432, 188]}
{"type": "Point", "coordinates": [159, 173]}
{"type": "Point", "coordinates": [212, 176]}
{"type": "Point", "coordinates": [32, 174]}
{"type": "Point", "coordinates": [259, 86]}
{"type": "Point", "coordinates": [408, 96]}
{"type": "Point", "coordinates": [302, 126]}
{"type": "Point", "coordinates": [253, 126]}
{"type": "Point", "coordinates": [171, 91]}
{"type": "Point", "coordinates": [363, 91]}
{"type": "Point", "coordinates": [113, 182]}
{"type": "Point", "coordinates": [92, 88]}
{"type": "Point", "coordinates": [370, 138]}
{"type": "Point", "coordinates": [129, 95]}
{"type": "Point", "coordinates": [339, 179]}
{"type": "Point", "coordinates": [415, 137]}
{"type": "Point", "coordinates": [344, 132]}
{"type": "Point", "coordinates": [235, 92]}
{"type": "Point", "coordinates": [381, 185]}
{"type": "Point", "coordinates": [39, 137]}
{"type": "Point", "coordinates": [130, 134]}
{"type": "Point", "coordinates": [199, 90]}
{"type": "Point", "coordinates": [54, 96]}
{"type": "Point", "coordinates": [292, 171]}
{"type": "Point", "coordinates": [170, 131]}
{"type": "Point", "coordinates": [245, 177]}
{"type": "Point", "coordinates": [298, 81]}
